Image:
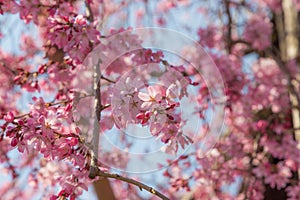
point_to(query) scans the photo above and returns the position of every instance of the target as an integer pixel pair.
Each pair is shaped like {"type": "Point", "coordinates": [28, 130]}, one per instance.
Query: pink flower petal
{"type": "Point", "coordinates": [144, 96]}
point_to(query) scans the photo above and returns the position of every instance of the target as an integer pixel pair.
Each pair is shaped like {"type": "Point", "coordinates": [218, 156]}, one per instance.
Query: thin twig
{"type": "Point", "coordinates": [49, 104]}
{"type": "Point", "coordinates": [104, 107]}
{"type": "Point", "coordinates": [107, 79]}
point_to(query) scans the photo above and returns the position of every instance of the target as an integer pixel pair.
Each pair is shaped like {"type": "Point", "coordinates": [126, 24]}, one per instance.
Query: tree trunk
{"type": "Point", "coordinates": [103, 190]}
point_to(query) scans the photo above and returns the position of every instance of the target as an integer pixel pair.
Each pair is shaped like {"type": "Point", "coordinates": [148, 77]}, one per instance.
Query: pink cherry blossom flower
{"type": "Point", "coordinates": [151, 98]}
{"type": "Point", "coordinates": [125, 101]}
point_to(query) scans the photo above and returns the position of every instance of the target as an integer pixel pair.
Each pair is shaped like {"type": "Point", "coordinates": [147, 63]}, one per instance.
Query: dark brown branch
{"type": "Point", "coordinates": [229, 24]}
{"type": "Point", "coordinates": [104, 107]}
{"type": "Point", "coordinates": [131, 181]}
{"type": "Point", "coordinates": [107, 79]}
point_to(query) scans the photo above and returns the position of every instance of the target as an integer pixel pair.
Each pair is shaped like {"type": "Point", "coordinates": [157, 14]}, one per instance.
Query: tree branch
{"type": "Point", "coordinates": [107, 79]}
{"type": "Point", "coordinates": [97, 105]}
{"type": "Point", "coordinates": [131, 181]}
{"type": "Point", "coordinates": [96, 131]}
{"type": "Point", "coordinates": [229, 24]}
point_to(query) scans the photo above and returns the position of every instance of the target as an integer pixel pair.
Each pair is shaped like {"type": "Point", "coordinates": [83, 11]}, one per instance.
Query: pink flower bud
{"type": "Point", "coordinates": [170, 117]}
{"type": "Point", "coordinates": [147, 114]}
{"type": "Point", "coordinates": [14, 142]}
{"type": "Point", "coordinates": [140, 116]}
{"type": "Point", "coordinates": [77, 130]}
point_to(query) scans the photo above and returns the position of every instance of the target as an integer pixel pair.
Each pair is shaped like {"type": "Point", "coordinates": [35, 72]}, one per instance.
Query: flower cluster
{"type": "Point", "coordinates": [44, 130]}
{"type": "Point", "coordinates": [155, 106]}
{"type": "Point", "coordinates": [74, 35]}
{"type": "Point", "coordinates": [258, 32]}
